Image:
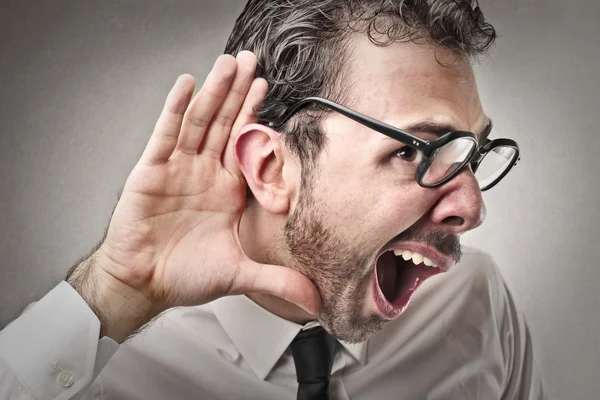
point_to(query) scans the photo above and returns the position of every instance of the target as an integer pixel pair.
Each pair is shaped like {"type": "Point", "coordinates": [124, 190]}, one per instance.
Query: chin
{"type": "Point", "coordinates": [349, 320]}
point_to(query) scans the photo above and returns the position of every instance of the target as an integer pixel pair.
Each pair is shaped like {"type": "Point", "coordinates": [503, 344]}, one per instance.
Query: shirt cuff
{"type": "Point", "coordinates": [53, 349]}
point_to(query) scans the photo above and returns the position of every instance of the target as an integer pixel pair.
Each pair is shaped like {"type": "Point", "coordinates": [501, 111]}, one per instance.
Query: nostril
{"type": "Point", "coordinates": [454, 221]}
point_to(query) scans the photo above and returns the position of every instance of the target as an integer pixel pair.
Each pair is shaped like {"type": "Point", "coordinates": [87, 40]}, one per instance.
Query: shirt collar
{"type": "Point", "coordinates": [262, 337]}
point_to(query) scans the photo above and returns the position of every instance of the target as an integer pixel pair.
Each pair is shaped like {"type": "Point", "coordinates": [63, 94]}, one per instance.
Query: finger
{"type": "Point", "coordinates": [279, 281]}
{"type": "Point", "coordinates": [167, 128]}
{"type": "Point", "coordinates": [208, 100]}
{"type": "Point", "coordinates": [246, 116]}
{"type": "Point", "coordinates": [220, 128]}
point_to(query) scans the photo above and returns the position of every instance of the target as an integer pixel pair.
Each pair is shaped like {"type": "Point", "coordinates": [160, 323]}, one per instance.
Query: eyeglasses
{"type": "Point", "coordinates": [443, 158]}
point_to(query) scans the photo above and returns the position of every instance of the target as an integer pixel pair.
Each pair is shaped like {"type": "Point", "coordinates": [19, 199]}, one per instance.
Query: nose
{"type": "Point", "coordinates": [460, 207]}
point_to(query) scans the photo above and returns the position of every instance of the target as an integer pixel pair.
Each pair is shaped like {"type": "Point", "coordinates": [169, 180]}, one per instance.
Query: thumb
{"type": "Point", "coordinates": [279, 281]}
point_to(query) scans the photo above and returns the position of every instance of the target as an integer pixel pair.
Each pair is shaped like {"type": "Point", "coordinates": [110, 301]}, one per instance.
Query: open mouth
{"type": "Point", "coordinates": [398, 274]}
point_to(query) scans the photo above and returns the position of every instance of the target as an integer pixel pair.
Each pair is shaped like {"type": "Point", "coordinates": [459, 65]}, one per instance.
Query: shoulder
{"type": "Point", "coordinates": [166, 354]}
{"type": "Point", "coordinates": [478, 262]}
{"type": "Point", "coordinates": [478, 269]}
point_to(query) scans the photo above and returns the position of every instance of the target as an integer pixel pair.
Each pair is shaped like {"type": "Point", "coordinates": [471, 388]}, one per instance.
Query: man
{"type": "Point", "coordinates": [330, 207]}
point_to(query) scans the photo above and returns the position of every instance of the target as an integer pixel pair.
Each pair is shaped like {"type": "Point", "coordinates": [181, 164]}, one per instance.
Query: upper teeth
{"type": "Point", "coordinates": [416, 257]}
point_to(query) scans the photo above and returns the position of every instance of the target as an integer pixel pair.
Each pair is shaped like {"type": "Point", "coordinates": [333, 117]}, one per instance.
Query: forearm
{"type": "Point", "coordinates": [120, 309]}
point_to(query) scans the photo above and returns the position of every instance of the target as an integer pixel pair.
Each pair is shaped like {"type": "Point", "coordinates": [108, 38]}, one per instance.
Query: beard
{"type": "Point", "coordinates": [341, 272]}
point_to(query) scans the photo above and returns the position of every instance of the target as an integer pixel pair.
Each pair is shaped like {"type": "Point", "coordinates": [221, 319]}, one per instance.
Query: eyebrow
{"type": "Point", "coordinates": [440, 129]}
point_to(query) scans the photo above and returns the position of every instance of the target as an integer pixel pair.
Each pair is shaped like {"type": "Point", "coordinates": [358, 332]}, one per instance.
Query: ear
{"type": "Point", "coordinates": [260, 155]}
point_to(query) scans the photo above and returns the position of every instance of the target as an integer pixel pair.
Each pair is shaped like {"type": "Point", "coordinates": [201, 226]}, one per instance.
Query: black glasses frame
{"type": "Point", "coordinates": [429, 149]}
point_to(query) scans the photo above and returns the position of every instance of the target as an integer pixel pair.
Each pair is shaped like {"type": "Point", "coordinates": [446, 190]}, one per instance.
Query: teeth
{"type": "Point", "coordinates": [416, 257]}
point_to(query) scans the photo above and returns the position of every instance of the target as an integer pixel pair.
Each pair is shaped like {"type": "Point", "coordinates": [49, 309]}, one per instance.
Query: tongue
{"type": "Point", "coordinates": [411, 276]}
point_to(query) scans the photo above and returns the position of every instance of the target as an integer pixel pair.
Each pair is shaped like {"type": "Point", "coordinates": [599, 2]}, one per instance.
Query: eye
{"type": "Point", "coordinates": [409, 154]}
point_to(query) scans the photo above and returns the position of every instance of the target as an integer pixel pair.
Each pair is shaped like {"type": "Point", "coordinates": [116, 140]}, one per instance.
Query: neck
{"type": "Point", "coordinates": [259, 238]}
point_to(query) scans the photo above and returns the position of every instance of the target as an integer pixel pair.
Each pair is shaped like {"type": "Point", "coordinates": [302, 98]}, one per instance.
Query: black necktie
{"type": "Point", "coordinates": [313, 351]}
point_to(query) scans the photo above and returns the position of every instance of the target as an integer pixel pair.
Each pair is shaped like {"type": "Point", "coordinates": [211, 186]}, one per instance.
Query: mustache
{"type": "Point", "coordinates": [444, 242]}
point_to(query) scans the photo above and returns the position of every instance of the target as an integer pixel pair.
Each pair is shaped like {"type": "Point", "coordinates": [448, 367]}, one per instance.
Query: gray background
{"type": "Point", "coordinates": [82, 84]}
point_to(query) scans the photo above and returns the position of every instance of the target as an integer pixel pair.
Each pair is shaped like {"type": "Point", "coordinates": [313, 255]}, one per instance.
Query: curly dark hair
{"type": "Point", "coordinates": [301, 48]}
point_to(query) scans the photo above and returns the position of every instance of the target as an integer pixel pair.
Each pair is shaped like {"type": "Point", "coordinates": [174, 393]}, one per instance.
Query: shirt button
{"type": "Point", "coordinates": [65, 379]}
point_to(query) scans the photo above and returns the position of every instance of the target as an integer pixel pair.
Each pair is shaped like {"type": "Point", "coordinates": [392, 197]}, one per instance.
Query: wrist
{"type": "Point", "coordinates": [121, 309]}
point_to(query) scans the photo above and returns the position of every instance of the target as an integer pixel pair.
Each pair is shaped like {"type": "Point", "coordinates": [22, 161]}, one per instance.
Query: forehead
{"type": "Point", "coordinates": [407, 82]}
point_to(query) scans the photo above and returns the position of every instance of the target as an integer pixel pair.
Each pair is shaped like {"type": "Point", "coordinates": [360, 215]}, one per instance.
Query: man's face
{"type": "Point", "coordinates": [362, 200]}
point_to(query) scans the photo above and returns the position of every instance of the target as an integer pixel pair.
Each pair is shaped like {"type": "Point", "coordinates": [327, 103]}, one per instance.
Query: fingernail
{"type": "Point", "coordinates": [222, 58]}
{"type": "Point", "coordinates": [245, 53]}
{"type": "Point", "coordinates": [181, 77]}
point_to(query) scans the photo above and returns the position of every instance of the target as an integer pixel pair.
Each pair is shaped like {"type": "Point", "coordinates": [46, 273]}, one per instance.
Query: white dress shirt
{"type": "Point", "coordinates": [460, 338]}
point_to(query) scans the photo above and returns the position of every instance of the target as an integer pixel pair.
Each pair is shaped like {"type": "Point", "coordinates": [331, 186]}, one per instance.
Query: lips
{"type": "Point", "coordinates": [400, 271]}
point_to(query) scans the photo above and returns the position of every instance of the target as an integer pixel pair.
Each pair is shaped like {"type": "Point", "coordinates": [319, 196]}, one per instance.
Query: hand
{"type": "Point", "coordinates": [173, 238]}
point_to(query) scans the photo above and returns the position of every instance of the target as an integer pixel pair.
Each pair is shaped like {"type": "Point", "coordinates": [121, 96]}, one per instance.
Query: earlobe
{"type": "Point", "coordinates": [259, 153]}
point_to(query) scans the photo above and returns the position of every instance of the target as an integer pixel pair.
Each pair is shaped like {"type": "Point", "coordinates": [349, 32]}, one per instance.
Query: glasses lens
{"type": "Point", "coordinates": [493, 164]}
{"type": "Point", "coordinates": [448, 159]}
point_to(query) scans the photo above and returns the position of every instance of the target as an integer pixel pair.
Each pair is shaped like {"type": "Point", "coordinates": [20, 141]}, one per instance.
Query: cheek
{"type": "Point", "coordinates": [400, 206]}
{"type": "Point", "coordinates": [371, 209]}
{"type": "Point", "coordinates": [361, 198]}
